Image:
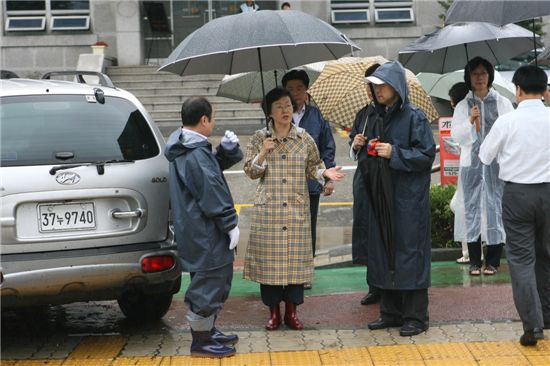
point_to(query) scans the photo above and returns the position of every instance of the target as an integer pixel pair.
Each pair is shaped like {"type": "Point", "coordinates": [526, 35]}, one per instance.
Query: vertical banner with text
{"type": "Point", "coordinates": [448, 153]}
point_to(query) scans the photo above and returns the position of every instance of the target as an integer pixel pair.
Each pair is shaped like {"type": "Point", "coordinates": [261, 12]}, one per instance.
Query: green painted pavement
{"type": "Point", "coordinates": [352, 279]}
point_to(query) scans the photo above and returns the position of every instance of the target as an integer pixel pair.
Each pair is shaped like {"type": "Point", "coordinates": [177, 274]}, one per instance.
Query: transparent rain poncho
{"type": "Point", "coordinates": [479, 192]}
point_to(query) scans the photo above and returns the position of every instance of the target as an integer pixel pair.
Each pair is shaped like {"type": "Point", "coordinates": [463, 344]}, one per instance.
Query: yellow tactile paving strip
{"type": "Point", "coordinates": [104, 350]}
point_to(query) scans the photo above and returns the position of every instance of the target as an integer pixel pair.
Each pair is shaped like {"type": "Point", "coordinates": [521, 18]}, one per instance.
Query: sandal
{"type": "Point", "coordinates": [475, 270]}
{"type": "Point", "coordinates": [463, 260]}
{"type": "Point", "coordinates": [489, 270]}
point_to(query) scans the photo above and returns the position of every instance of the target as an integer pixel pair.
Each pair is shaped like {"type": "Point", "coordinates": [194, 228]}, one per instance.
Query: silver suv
{"type": "Point", "coordinates": [83, 198]}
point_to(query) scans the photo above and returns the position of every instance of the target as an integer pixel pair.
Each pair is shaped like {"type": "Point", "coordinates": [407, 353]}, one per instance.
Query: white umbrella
{"type": "Point", "coordinates": [438, 85]}
{"type": "Point", "coordinates": [247, 86]}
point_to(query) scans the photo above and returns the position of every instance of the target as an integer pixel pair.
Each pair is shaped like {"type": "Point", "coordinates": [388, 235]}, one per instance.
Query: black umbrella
{"type": "Point", "coordinates": [499, 12]}
{"type": "Point", "coordinates": [450, 48]}
{"type": "Point", "coordinates": [257, 41]}
{"type": "Point", "coordinates": [377, 176]}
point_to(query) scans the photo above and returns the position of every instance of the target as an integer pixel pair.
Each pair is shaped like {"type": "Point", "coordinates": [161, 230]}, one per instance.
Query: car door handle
{"type": "Point", "coordinates": [118, 214]}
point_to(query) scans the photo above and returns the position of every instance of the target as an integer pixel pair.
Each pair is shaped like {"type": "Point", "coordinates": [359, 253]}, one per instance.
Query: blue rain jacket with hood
{"type": "Point", "coordinates": [202, 207]}
{"type": "Point", "coordinates": [314, 124]}
{"type": "Point", "coordinates": [407, 129]}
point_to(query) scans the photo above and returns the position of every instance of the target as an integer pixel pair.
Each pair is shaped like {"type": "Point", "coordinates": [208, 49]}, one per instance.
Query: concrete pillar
{"type": "Point", "coordinates": [129, 33]}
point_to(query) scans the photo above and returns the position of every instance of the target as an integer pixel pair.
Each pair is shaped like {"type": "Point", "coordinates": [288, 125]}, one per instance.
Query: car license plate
{"type": "Point", "coordinates": [66, 217]}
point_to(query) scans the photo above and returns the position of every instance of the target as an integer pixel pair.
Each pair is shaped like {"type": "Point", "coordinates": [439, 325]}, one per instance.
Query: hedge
{"type": "Point", "coordinates": [442, 216]}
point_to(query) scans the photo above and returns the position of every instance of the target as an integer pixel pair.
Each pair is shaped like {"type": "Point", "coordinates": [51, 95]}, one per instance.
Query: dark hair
{"type": "Point", "coordinates": [193, 109]}
{"type": "Point", "coordinates": [274, 95]}
{"type": "Point", "coordinates": [531, 79]}
{"type": "Point", "coordinates": [371, 69]}
{"type": "Point", "coordinates": [472, 65]}
{"type": "Point", "coordinates": [285, 4]}
{"type": "Point", "coordinates": [458, 92]}
{"type": "Point", "coordinates": [296, 75]}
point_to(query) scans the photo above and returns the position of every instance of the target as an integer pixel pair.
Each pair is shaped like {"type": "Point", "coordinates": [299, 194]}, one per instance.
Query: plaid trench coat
{"type": "Point", "coordinates": [279, 248]}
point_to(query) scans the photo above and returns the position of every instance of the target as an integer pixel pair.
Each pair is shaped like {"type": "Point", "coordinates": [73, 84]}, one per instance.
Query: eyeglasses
{"type": "Point", "coordinates": [282, 107]}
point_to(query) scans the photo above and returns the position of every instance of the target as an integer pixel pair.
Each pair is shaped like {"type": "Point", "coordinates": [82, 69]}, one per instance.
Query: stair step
{"type": "Point", "coordinates": [206, 92]}
{"type": "Point", "coordinates": [220, 113]}
{"type": "Point", "coordinates": [218, 105]}
{"type": "Point", "coordinates": [157, 83]}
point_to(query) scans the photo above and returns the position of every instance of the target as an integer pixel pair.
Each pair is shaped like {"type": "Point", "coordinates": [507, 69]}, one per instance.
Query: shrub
{"type": "Point", "coordinates": [442, 216]}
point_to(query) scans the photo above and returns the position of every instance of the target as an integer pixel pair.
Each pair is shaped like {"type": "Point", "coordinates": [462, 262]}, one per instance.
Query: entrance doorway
{"type": "Point", "coordinates": [167, 22]}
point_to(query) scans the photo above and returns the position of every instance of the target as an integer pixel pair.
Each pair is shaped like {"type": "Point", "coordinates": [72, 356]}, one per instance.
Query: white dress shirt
{"type": "Point", "coordinates": [520, 140]}
{"type": "Point", "coordinates": [297, 116]}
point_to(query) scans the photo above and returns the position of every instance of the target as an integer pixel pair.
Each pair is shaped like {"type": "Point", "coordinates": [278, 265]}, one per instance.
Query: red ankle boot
{"type": "Point", "coordinates": [274, 319]}
{"type": "Point", "coordinates": [291, 318]}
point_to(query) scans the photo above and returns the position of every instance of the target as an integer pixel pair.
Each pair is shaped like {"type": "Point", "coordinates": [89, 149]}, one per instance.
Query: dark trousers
{"type": "Point", "coordinates": [314, 211]}
{"type": "Point", "coordinates": [206, 294]}
{"type": "Point", "coordinates": [526, 217]}
{"type": "Point", "coordinates": [494, 252]}
{"type": "Point", "coordinates": [273, 295]}
{"type": "Point", "coordinates": [405, 306]}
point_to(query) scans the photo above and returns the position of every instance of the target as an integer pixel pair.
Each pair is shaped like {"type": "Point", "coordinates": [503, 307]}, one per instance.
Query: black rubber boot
{"type": "Point", "coordinates": [227, 339]}
{"type": "Point", "coordinates": [204, 346]}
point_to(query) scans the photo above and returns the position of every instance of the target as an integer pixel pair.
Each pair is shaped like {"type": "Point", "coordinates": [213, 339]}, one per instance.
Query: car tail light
{"type": "Point", "coordinates": [157, 263]}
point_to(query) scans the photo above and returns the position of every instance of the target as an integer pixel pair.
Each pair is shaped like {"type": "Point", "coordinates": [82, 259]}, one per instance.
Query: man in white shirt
{"type": "Point", "coordinates": [520, 140]}
{"type": "Point", "coordinates": [249, 6]}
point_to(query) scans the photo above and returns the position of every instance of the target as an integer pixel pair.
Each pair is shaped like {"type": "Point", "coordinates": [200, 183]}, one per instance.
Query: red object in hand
{"type": "Point", "coordinates": [370, 149]}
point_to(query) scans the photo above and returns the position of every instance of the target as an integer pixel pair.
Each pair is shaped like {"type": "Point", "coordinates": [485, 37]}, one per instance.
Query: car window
{"type": "Point", "coordinates": [34, 129]}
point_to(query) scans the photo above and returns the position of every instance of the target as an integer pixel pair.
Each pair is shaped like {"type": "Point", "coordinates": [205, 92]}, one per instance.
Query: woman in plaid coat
{"type": "Point", "coordinates": [279, 254]}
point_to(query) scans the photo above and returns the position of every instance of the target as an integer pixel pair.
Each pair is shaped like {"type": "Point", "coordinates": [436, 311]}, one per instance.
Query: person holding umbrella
{"type": "Point", "coordinates": [400, 152]}
{"type": "Point", "coordinates": [480, 208]}
{"type": "Point", "coordinates": [279, 254]}
{"type": "Point", "coordinates": [309, 118]}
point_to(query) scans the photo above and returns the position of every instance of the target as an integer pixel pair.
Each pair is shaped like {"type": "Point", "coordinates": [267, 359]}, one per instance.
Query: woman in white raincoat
{"type": "Point", "coordinates": [480, 208]}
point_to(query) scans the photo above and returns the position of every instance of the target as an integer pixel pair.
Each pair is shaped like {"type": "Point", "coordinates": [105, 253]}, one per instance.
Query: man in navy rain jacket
{"type": "Point", "coordinates": [205, 222]}
{"type": "Point", "coordinates": [310, 119]}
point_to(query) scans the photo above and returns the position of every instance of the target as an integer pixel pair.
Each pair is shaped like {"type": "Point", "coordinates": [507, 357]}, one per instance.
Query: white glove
{"type": "Point", "coordinates": [234, 235]}
{"type": "Point", "coordinates": [229, 141]}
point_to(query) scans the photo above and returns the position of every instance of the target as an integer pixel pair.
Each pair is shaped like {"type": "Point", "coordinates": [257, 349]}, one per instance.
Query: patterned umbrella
{"type": "Point", "coordinates": [340, 90]}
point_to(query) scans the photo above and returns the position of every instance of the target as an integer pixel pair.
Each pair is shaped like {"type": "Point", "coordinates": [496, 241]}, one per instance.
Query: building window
{"type": "Point", "coordinates": [393, 11]}
{"type": "Point", "coordinates": [364, 11]}
{"type": "Point", "coordinates": [62, 15]}
{"type": "Point", "coordinates": [349, 11]}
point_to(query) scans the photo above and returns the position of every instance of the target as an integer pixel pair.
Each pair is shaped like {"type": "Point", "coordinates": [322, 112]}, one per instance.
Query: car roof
{"type": "Point", "coordinates": [12, 87]}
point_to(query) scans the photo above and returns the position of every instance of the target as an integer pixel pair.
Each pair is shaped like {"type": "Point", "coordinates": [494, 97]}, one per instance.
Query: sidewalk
{"type": "Point", "coordinates": [472, 322]}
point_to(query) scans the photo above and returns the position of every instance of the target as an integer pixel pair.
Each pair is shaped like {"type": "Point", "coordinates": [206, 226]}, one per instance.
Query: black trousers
{"type": "Point", "coordinates": [494, 252]}
{"type": "Point", "coordinates": [526, 217]}
{"type": "Point", "coordinates": [314, 211]}
{"type": "Point", "coordinates": [273, 295]}
{"type": "Point", "coordinates": [405, 306]}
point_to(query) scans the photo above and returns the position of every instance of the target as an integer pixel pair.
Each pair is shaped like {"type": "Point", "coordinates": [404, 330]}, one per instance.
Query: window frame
{"type": "Point", "coordinates": [8, 28]}
{"type": "Point", "coordinates": [400, 20]}
{"type": "Point", "coordinates": [339, 11]}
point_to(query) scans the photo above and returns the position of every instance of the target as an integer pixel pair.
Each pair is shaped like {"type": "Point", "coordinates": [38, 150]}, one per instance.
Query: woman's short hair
{"type": "Point", "coordinates": [472, 65]}
{"type": "Point", "coordinates": [274, 95]}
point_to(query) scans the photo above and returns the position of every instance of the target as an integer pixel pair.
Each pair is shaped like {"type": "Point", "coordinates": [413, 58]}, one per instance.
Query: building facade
{"type": "Point", "coordinates": [44, 35]}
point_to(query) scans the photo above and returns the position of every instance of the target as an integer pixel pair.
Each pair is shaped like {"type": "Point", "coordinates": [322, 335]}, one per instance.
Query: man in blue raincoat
{"type": "Point", "coordinates": [205, 222]}
{"type": "Point", "coordinates": [310, 119]}
{"type": "Point", "coordinates": [400, 268]}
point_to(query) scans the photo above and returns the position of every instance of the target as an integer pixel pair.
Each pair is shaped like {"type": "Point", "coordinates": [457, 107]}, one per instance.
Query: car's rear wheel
{"type": "Point", "coordinates": [140, 306]}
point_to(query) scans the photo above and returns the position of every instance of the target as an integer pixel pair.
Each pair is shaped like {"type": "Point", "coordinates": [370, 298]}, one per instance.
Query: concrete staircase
{"type": "Point", "coordinates": [163, 93]}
